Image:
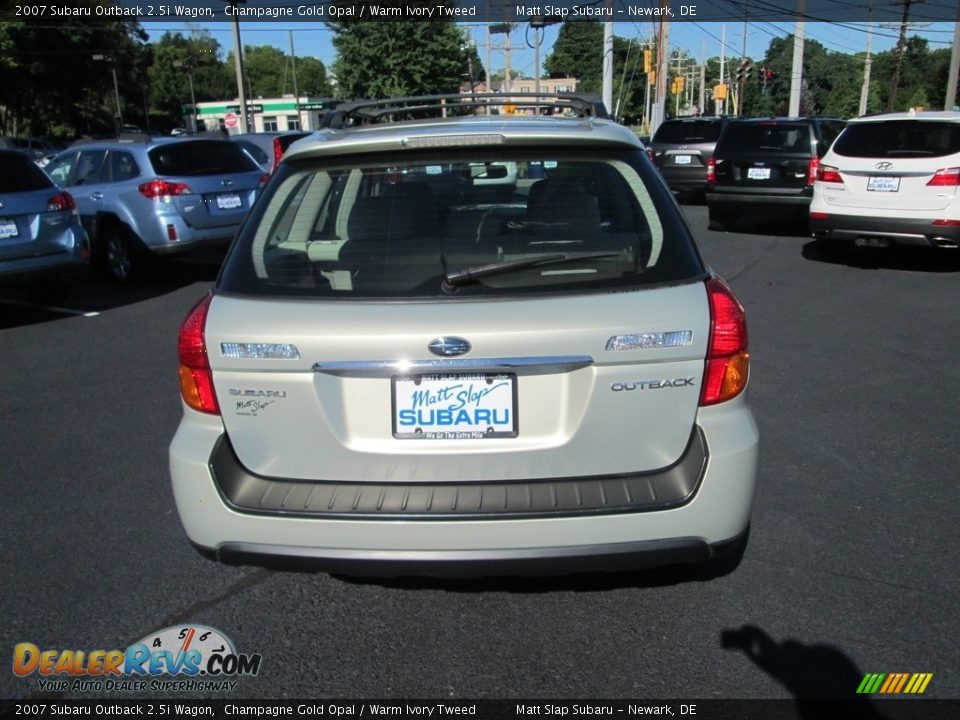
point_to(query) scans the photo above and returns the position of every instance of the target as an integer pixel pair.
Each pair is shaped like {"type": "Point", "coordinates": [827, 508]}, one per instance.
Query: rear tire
{"type": "Point", "coordinates": [121, 256]}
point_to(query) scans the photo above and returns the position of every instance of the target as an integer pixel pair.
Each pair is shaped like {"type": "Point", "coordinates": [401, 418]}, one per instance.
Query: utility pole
{"type": "Point", "coordinates": [741, 86]}
{"type": "Point", "coordinates": [296, 89]}
{"type": "Point", "coordinates": [796, 71]}
{"type": "Point", "coordinates": [951, 95]}
{"type": "Point", "coordinates": [901, 48]}
{"type": "Point", "coordinates": [721, 105]}
{"type": "Point", "coordinates": [608, 60]}
{"type": "Point", "coordinates": [865, 91]}
{"type": "Point", "coordinates": [702, 104]}
{"type": "Point", "coordinates": [238, 64]}
{"type": "Point", "coordinates": [663, 72]}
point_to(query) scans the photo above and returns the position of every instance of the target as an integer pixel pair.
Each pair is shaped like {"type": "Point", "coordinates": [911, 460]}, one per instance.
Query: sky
{"type": "Point", "coordinates": [314, 39]}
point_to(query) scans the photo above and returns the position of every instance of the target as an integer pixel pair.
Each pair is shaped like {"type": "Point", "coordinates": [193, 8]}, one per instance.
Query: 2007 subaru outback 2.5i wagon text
{"type": "Point", "coordinates": [395, 375]}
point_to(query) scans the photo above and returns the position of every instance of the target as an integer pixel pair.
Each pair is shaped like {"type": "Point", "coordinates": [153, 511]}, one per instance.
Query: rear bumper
{"type": "Point", "coordinates": [754, 202]}
{"type": "Point", "coordinates": [156, 235]}
{"type": "Point", "coordinates": [685, 180]}
{"type": "Point", "coordinates": [68, 263]}
{"type": "Point", "coordinates": [897, 230]}
{"type": "Point", "coordinates": [717, 513]}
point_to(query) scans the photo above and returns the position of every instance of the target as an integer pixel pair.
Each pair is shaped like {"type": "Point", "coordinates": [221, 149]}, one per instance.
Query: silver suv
{"type": "Point", "coordinates": [394, 374]}
{"type": "Point", "coordinates": [138, 195]}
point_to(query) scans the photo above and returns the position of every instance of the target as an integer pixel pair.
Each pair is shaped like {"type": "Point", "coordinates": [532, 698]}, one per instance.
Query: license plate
{"type": "Point", "coordinates": [8, 229]}
{"type": "Point", "coordinates": [758, 173]}
{"type": "Point", "coordinates": [682, 159]}
{"type": "Point", "coordinates": [228, 202]}
{"type": "Point", "coordinates": [883, 183]}
{"type": "Point", "coordinates": [455, 407]}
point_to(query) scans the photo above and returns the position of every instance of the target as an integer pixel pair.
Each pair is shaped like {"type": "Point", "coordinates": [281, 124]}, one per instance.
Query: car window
{"type": "Point", "coordinates": [256, 152]}
{"type": "Point", "coordinates": [89, 167]}
{"type": "Point", "coordinates": [59, 169]}
{"type": "Point", "coordinates": [399, 229]}
{"type": "Point", "coordinates": [19, 174]}
{"type": "Point", "coordinates": [899, 138]}
{"type": "Point", "coordinates": [122, 166]}
{"type": "Point", "coordinates": [829, 132]}
{"type": "Point", "coordinates": [773, 137]}
{"type": "Point", "coordinates": [688, 131]}
{"type": "Point", "coordinates": [200, 157]}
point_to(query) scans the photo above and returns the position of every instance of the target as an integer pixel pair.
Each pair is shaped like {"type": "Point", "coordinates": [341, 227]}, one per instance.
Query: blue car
{"type": "Point", "coordinates": [140, 196]}
{"type": "Point", "coordinates": [43, 245]}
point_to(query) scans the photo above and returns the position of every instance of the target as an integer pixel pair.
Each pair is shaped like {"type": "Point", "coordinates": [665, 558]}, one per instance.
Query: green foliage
{"type": "Point", "coordinates": [173, 59]}
{"type": "Point", "coordinates": [389, 59]}
{"type": "Point", "coordinates": [50, 84]}
{"type": "Point", "coordinates": [578, 52]}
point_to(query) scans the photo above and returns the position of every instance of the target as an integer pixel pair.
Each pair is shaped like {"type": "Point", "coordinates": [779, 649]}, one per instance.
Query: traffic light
{"type": "Point", "coordinates": [720, 91]}
{"type": "Point", "coordinates": [681, 80]}
{"type": "Point", "coordinates": [652, 77]}
{"type": "Point", "coordinates": [647, 60]}
{"type": "Point", "coordinates": [745, 69]}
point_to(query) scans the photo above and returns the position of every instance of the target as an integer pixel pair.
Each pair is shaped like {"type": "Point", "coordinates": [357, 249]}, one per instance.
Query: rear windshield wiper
{"type": "Point", "coordinates": [467, 275]}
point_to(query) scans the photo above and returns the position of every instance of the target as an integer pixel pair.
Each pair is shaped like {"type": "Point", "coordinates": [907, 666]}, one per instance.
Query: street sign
{"type": "Point", "coordinates": [230, 120]}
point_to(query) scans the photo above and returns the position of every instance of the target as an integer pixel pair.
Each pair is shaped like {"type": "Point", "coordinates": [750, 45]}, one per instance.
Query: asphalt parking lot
{"type": "Point", "coordinates": [849, 569]}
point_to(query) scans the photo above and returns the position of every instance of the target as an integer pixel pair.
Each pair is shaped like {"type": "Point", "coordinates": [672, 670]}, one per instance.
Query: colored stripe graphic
{"type": "Point", "coordinates": [894, 683]}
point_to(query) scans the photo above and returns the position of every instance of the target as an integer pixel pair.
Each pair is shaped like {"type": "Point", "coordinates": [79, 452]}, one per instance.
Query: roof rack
{"type": "Point", "coordinates": [366, 112]}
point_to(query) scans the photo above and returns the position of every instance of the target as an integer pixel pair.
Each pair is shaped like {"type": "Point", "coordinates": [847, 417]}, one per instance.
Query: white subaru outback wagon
{"type": "Point", "coordinates": [395, 374]}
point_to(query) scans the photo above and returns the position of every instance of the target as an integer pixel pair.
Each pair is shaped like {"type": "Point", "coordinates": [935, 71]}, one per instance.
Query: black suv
{"type": "Point", "coordinates": [681, 149]}
{"type": "Point", "coordinates": [767, 166]}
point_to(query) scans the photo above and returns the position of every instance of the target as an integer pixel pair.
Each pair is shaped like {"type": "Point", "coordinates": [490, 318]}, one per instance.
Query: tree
{"type": "Point", "coordinates": [578, 52]}
{"type": "Point", "coordinates": [50, 84]}
{"type": "Point", "coordinates": [175, 59]}
{"type": "Point", "coordinates": [312, 77]}
{"type": "Point", "coordinates": [389, 59]}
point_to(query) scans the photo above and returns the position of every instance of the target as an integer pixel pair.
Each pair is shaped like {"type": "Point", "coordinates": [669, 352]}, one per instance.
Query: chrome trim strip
{"type": "Point", "coordinates": [389, 368]}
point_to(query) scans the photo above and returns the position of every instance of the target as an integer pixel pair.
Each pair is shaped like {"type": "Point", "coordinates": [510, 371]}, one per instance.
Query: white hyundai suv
{"type": "Point", "coordinates": [396, 375]}
{"type": "Point", "coordinates": [890, 179]}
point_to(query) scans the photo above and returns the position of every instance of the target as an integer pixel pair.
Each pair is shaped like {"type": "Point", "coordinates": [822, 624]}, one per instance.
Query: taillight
{"type": "Point", "coordinates": [162, 188]}
{"type": "Point", "coordinates": [263, 181]}
{"type": "Point", "coordinates": [728, 362]}
{"type": "Point", "coordinates": [946, 223]}
{"type": "Point", "coordinates": [60, 202]}
{"type": "Point", "coordinates": [277, 154]}
{"type": "Point", "coordinates": [196, 378]}
{"type": "Point", "coordinates": [813, 170]}
{"type": "Point", "coordinates": [946, 177]}
{"type": "Point", "coordinates": [828, 173]}
{"type": "Point", "coordinates": [711, 171]}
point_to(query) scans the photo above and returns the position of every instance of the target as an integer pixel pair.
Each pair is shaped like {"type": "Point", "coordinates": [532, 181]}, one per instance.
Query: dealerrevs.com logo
{"type": "Point", "coordinates": [201, 657]}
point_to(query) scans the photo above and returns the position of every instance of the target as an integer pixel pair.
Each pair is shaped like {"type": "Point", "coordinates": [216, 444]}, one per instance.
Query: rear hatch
{"type": "Point", "coordinates": [684, 146]}
{"type": "Point", "coordinates": [34, 214]}
{"type": "Point", "coordinates": [366, 330]}
{"type": "Point", "coordinates": [216, 181]}
{"type": "Point", "coordinates": [894, 164]}
{"type": "Point", "coordinates": [768, 156]}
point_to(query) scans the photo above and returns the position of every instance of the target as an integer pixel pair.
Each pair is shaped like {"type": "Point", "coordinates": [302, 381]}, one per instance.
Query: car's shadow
{"type": "Point", "coordinates": [916, 259]}
{"type": "Point", "coordinates": [665, 576]}
{"type": "Point", "coordinates": [94, 292]}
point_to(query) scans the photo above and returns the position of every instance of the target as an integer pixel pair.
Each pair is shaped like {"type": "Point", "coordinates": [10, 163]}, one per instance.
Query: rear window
{"type": "Point", "coordinates": [256, 152]}
{"type": "Point", "coordinates": [438, 228]}
{"type": "Point", "coordinates": [899, 138]}
{"type": "Point", "coordinates": [772, 137]}
{"type": "Point", "coordinates": [19, 174]}
{"type": "Point", "coordinates": [688, 131]}
{"type": "Point", "coordinates": [200, 157]}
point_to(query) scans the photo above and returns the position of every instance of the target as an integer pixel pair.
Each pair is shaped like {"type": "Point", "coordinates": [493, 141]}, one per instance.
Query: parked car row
{"type": "Point", "coordinates": [873, 181]}
{"type": "Point", "coordinates": [119, 201]}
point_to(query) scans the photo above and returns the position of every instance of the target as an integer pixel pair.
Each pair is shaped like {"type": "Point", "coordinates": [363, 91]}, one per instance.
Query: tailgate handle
{"type": "Point", "coordinates": [388, 368]}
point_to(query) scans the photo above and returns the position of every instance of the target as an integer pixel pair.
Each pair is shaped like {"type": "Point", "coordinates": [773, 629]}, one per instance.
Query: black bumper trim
{"type": "Point", "coordinates": [613, 557]}
{"type": "Point", "coordinates": [249, 493]}
{"type": "Point", "coordinates": [903, 231]}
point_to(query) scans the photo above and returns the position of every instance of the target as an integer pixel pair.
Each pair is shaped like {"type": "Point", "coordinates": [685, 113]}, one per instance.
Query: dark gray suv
{"type": "Point", "coordinates": [681, 149]}
{"type": "Point", "coordinates": [142, 195]}
{"type": "Point", "coordinates": [767, 166]}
